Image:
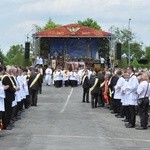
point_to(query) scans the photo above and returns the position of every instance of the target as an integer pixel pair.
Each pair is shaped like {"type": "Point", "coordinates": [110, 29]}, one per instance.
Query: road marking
{"type": "Point", "coordinates": [92, 137]}
{"type": "Point", "coordinates": [64, 107]}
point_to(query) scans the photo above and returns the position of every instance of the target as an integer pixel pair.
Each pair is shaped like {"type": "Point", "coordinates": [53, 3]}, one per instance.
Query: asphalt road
{"type": "Point", "coordinates": [62, 122]}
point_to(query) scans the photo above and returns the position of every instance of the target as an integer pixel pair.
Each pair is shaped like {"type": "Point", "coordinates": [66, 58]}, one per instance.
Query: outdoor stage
{"type": "Point", "coordinates": [73, 43]}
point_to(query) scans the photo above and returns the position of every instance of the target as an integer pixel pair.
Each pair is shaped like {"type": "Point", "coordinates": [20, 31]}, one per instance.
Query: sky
{"type": "Point", "coordinates": [18, 17]}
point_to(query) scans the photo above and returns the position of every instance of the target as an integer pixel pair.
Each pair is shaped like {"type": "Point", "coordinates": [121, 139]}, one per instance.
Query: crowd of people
{"type": "Point", "coordinates": [19, 89]}
{"type": "Point", "coordinates": [67, 77]}
{"type": "Point", "coordinates": [120, 90]}
{"type": "Point", "coordinates": [125, 92]}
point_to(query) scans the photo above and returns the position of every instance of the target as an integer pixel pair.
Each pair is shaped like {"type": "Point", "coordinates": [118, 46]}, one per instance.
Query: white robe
{"type": "Point", "coordinates": [48, 76]}
{"type": "Point", "coordinates": [73, 76]}
{"type": "Point", "coordinates": [2, 96]}
{"type": "Point", "coordinates": [131, 90]}
{"type": "Point", "coordinates": [26, 88]}
{"type": "Point", "coordinates": [66, 75]}
{"type": "Point", "coordinates": [22, 89]}
{"type": "Point", "coordinates": [80, 74]}
{"type": "Point", "coordinates": [124, 92]}
{"type": "Point", "coordinates": [118, 93]}
{"type": "Point", "coordinates": [143, 89]}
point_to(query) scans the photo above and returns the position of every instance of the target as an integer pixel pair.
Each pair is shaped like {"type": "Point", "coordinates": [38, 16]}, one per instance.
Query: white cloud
{"type": "Point", "coordinates": [18, 16]}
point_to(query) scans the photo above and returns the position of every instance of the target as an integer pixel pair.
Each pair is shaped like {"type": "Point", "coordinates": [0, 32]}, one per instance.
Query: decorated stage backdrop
{"type": "Point", "coordinates": [75, 47]}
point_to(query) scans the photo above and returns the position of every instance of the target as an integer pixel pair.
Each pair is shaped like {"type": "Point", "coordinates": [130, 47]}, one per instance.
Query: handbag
{"type": "Point", "coordinates": [145, 99]}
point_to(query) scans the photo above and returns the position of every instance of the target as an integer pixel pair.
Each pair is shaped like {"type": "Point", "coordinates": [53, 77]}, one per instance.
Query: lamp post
{"type": "Point", "coordinates": [129, 38]}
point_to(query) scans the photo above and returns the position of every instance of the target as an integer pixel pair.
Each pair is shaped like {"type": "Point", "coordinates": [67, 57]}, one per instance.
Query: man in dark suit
{"type": "Point", "coordinates": [85, 85]}
{"type": "Point", "coordinates": [34, 83]}
{"type": "Point", "coordinates": [10, 97]}
{"type": "Point", "coordinates": [100, 76]}
{"type": "Point", "coordinates": [94, 89]}
{"type": "Point", "coordinates": [113, 81]}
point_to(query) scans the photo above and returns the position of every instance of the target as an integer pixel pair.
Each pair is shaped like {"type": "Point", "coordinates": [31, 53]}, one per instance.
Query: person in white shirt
{"type": "Point", "coordinates": [73, 78]}
{"type": "Point", "coordinates": [66, 75]}
{"type": "Point", "coordinates": [20, 79]}
{"type": "Point", "coordinates": [144, 91]}
{"type": "Point", "coordinates": [40, 61]}
{"type": "Point", "coordinates": [132, 97]}
{"type": "Point", "coordinates": [58, 77]}
{"type": "Point", "coordinates": [48, 76]}
{"type": "Point", "coordinates": [118, 95]}
{"type": "Point", "coordinates": [102, 61]}
{"type": "Point", "coordinates": [124, 99]}
{"type": "Point", "coordinates": [80, 74]}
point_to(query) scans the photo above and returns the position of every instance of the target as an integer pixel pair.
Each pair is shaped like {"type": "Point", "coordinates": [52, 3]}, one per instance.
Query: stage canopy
{"type": "Point", "coordinates": [73, 30]}
{"type": "Point", "coordinates": [75, 40]}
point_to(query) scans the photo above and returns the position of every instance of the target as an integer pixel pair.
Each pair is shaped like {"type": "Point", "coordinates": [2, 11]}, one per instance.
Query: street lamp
{"type": "Point", "coordinates": [129, 51]}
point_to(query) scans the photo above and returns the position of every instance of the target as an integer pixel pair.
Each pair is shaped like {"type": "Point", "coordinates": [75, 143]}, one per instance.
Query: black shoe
{"type": "Point", "coordinates": [14, 119]}
{"type": "Point", "coordinates": [125, 120]}
{"type": "Point", "coordinates": [119, 116]}
{"type": "Point", "coordinates": [112, 112]}
{"type": "Point", "coordinates": [130, 126]}
{"type": "Point", "coordinates": [127, 124]}
{"type": "Point", "coordinates": [23, 110]}
{"type": "Point", "coordinates": [83, 101]}
{"type": "Point", "coordinates": [12, 125]}
{"type": "Point", "coordinates": [9, 128]}
{"type": "Point", "coordinates": [87, 102]}
{"type": "Point", "coordinates": [18, 118]}
{"type": "Point", "coordinates": [141, 128]}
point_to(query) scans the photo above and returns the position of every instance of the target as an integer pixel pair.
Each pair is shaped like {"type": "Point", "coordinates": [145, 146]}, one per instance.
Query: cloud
{"type": "Point", "coordinates": [18, 16]}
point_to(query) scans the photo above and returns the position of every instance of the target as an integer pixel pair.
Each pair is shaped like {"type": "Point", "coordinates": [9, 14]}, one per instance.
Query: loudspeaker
{"type": "Point", "coordinates": [27, 50]}
{"type": "Point", "coordinates": [118, 51]}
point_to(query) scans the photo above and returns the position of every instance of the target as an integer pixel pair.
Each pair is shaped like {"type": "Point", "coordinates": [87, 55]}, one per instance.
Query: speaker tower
{"type": "Point", "coordinates": [27, 50]}
{"type": "Point", "coordinates": [118, 51]}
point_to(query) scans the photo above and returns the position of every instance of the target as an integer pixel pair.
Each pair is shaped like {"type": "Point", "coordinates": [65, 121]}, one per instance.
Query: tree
{"type": "Point", "coordinates": [147, 53]}
{"type": "Point", "coordinates": [89, 23]}
{"type": "Point", "coordinates": [15, 56]}
{"type": "Point", "coordinates": [135, 63]}
{"type": "Point", "coordinates": [2, 57]}
{"type": "Point", "coordinates": [49, 25]}
{"type": "Point", "coordinates": [124, 36]}
{"type": "Point", "coordinates": [14, 50]}
{"type": "Point", "coordinates": [136, 50]}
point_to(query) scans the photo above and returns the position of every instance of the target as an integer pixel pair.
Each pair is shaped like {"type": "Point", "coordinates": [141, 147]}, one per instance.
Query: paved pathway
{"type": "Point", "coordinates": [62, 122]}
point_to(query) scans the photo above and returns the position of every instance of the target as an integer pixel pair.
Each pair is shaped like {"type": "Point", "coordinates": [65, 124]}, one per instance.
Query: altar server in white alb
{"type": "Point", "coordinates": [48, 76]}
{"type": "Point", "coordinates": [66, 75]}
{"type": "Point", "coordinates": [132, 97]}
{"type": "Point", "coordinates": [20, 79]}
{"type": "Point", "coordinates": [58, 77]}
{"type": "Point", "coordinates": [124, 98]}
{"type": "Point", "coordinates": [80, 74]}
{"type": "Point", "coordinates": [118, 94]}
{"type": "Point", "coordinates": [73, 78]}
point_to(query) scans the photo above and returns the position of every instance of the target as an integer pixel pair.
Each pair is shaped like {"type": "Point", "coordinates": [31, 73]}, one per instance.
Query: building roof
{"type": "Point", "coordinates": [72, 30]}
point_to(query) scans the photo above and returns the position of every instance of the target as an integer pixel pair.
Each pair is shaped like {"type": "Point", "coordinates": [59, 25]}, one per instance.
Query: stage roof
{"type": "Point", "coordinates": [72, 30]}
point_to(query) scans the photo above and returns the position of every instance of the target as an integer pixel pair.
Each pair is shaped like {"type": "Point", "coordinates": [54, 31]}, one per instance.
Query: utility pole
{"type": "Point", "coordinates": [129, 39]}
